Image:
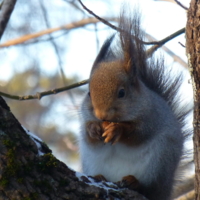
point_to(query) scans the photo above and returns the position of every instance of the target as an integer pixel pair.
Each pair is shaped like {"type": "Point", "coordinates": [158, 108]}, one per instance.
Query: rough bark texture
{"type": "Point", "coordinates": [26, 176]}
{"type": "Point", "coordinates": [193, 53]}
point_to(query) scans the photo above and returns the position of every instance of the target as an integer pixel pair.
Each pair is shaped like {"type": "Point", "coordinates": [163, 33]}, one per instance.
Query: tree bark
{"type": "Point", "coordinates": [24, 175]}
{"type": "Point", "coordinates": [193, 53]}
{"type": "Point", "coordinates": [6, 9]}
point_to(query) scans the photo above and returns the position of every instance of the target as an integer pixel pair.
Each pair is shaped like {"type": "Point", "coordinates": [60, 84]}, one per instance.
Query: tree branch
{"type": "Point", "coordinates": [176, 2]}
{"type": "Point", "coordinates": [99, 18]}
{"type": "Point", "coordinates": [168, 51]}
{"type": "Point", "coordinates": [160, 43]}
{"type": "Point", "coordinates": [70, 26]}
{"type": "Point", "coordinates": [84, 22]}
{"type": "Point", "coordinates": [7, 7]}
{"type": "Point", "coordinates": [39, 95]}
{"type": "Point", "coordinates": [168, 38]}
{"type": "Point", "coordinates": [180, 4]}
{"type": "Point", "coordinates": [56, 49]}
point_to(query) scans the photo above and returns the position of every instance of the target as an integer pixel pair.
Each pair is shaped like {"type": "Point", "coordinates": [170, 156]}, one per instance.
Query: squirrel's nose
{"type": "Point", "coordinates": [104, 115]}
{"type": "Point", "coordinates": [100, 115]}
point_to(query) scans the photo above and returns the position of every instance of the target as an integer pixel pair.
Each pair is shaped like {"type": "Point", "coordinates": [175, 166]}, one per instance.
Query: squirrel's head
{"type": "Point", "coordinates": [115, 84]}
{"type": "Point", "coordinates": [109, 91]}
{"type": "Point", "coordinates": [112, 91]}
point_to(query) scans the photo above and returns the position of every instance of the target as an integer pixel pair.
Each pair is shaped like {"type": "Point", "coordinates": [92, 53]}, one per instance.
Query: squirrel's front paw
{"type": "Point", "coordinates": [99, 178]}
{"type": "Point", "coordinates": [94, 130]}
{"type": "Point", "coordinates": [112, 132]}
{"type": "Point", "coordinates": [129, 182]}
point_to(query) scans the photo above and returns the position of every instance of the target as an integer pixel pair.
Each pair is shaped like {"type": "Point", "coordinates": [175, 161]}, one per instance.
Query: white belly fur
{"type": "Point", "coordinates": [116, 161]}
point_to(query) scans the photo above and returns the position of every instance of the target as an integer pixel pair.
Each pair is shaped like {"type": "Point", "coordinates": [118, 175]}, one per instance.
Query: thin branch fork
{"type": "Point", "coordinates": [151, 50]}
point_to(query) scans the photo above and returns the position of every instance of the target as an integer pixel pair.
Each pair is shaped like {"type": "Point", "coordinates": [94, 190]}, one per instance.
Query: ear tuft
{"type": "Point", "coordinates": [131, 38]}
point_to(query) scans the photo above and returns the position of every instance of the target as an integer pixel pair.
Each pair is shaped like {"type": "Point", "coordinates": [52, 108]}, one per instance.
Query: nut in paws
{"type": "Point", "coordinates": [112, 132]}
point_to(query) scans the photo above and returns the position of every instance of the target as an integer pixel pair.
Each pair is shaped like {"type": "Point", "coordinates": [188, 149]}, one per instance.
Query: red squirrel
{"type": "Point", "coordinates": [132, 121]}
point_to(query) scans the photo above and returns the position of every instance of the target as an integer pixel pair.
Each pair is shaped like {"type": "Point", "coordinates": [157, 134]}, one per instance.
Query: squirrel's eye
{"type": "Point", "coordinates": [121, 93]}
{"type": "Point", "coordinates": [89, 94]}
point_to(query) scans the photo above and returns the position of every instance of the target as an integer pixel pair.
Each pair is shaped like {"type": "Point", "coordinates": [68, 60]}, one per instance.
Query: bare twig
{"type": "Point", "coordinates": [160, 43]}
{"type": "Point", "coordinates": [168, 38]}
{"type": "Point", "coordinates": [180, 4]}
{"type": "Point", "coordinates": [176, 2]}
{"type": "Point", "coordinates": [99, 18]}
{"type": "Point", "coordinates": [168, 51]}
{"type": "Point", "coordinates": [53, 42]}
{"type": "Point", "coordinates": [73, 4]}
{"type": "Point", "coordinates": [56, 49]}
{"type": "Point", "coordinates": [46, 39]}
{"type": "Point", "coordinates": [5, 13]}
{"type": "Point", "coordinates": [39, 95]}
{"type": "Point", "coordinates": [80, 24]}
{"type": "Point", "coordinates": [70, 26]}
{"type": "Point", "coordinates": [181, 44]}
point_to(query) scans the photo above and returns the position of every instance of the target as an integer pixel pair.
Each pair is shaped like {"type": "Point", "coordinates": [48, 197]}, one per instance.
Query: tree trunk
{"type": "Point", "coordinates": [26, 175]}
{"type": "Point", "coordinates": [193, 53]}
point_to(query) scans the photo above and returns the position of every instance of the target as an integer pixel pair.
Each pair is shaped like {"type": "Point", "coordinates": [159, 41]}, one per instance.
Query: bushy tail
{"type": "Point", "coordinates": [151, 71]}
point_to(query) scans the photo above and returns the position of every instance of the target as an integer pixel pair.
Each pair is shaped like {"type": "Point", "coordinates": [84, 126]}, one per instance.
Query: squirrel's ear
{"type": "Point", "coordinates": [129, 60]}
{"type": "Point", "coordinates": [104, 52]}
{"type": "Point", "coordinates": [131, 38]}
{"type": "Point", "coordinates": [129, 49]}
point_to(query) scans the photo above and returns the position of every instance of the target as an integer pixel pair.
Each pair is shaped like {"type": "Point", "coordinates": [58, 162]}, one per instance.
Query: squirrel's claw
{"type": "Point", "coordinates": [99, 178]}
{"type": "Point", "coordinates": [129, 181]}
{"type": "Point", "coordinates": [112, 133]}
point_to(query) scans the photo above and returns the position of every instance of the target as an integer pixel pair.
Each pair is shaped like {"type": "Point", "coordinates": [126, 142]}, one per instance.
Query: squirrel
{"type": "Point", "coordinates": [132, 119]}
